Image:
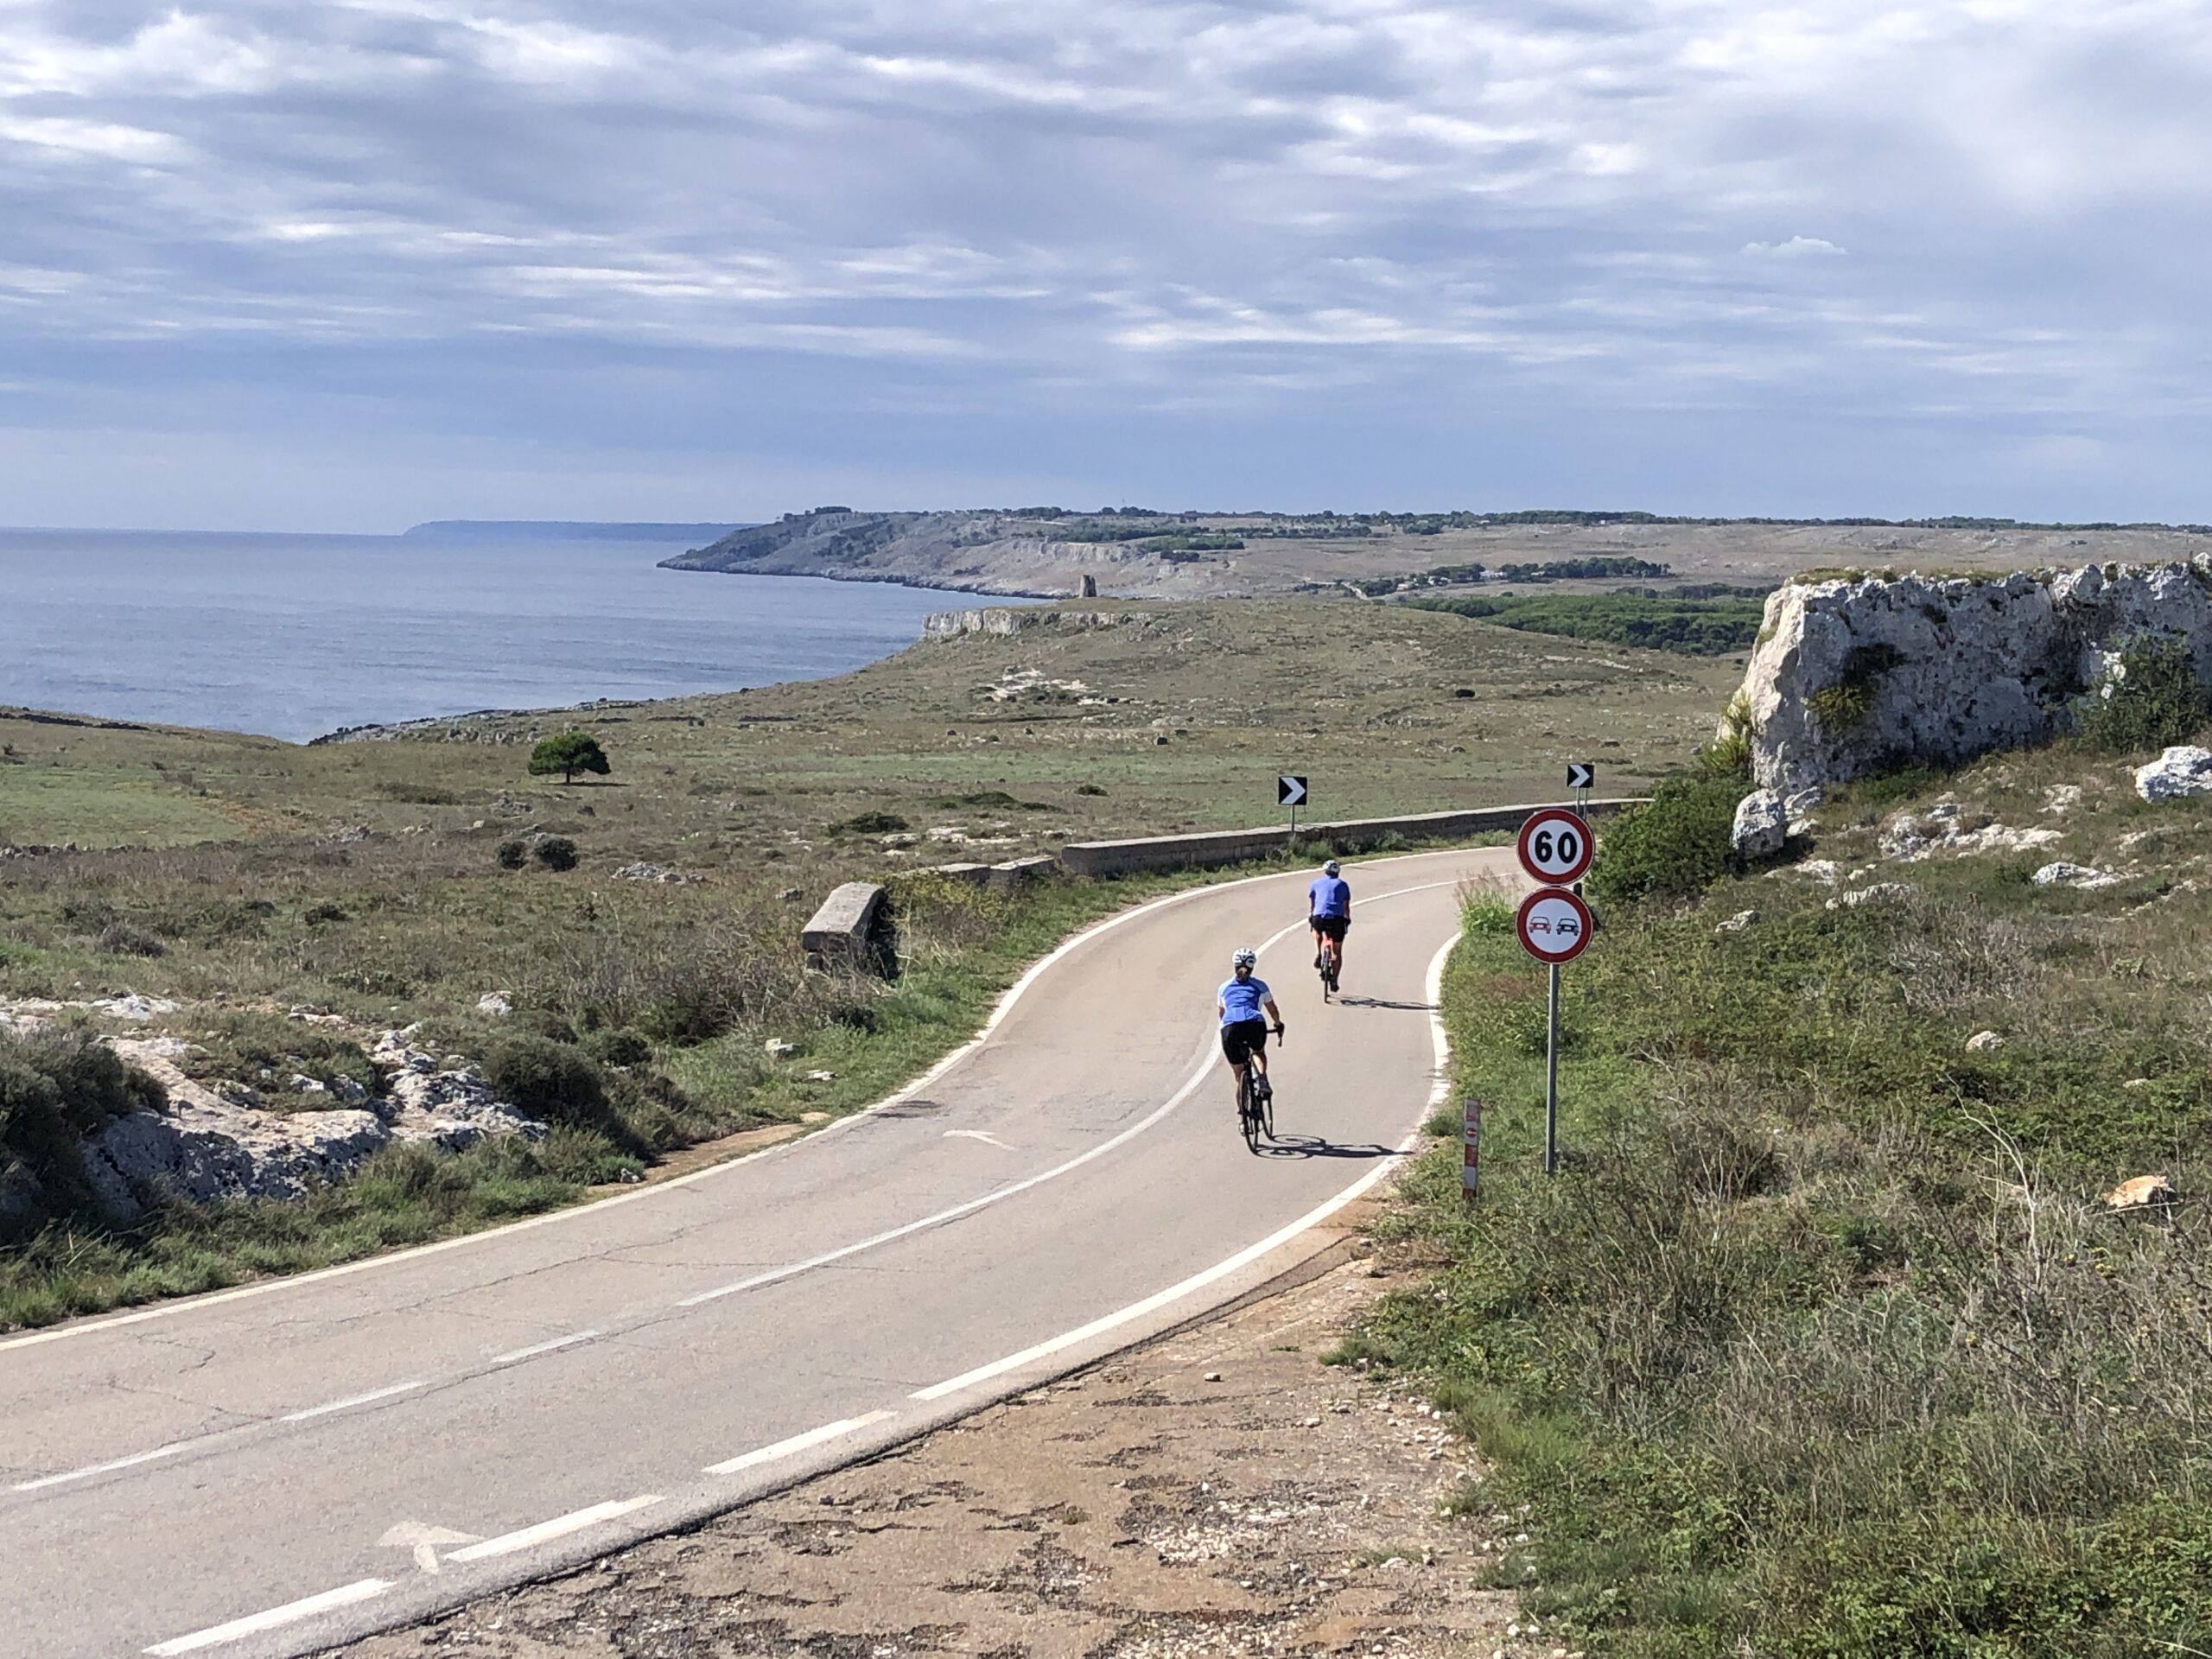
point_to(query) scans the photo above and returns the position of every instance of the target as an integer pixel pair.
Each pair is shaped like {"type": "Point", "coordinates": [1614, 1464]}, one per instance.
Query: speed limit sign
{"type": "Point", "coordinates": [1553, 925]}
{"type": "Point", "coordinates": [1555, 848]}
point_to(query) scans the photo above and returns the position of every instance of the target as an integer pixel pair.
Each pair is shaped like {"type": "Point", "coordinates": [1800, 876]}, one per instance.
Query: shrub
{"type": "Point", "coordinates": [554, 1082]}
{"type": "Point", "coordinates": [1844, 706]}
{"type": "Point", "coordinates": [56, 1088]}
{"type": "Point", "coordinates": [511, 854]}
{"type": "Point", "coordinates": [326, 911]}
{"type": "Point", "coordinates": [1673, 847]}
{"type": "Point", "coordinates": [873, 823]}
{"type": "Point", "coordinates": [2149, 698]}
{"type": "Point", "coordinates": [127, 940]}
{"type": "Point", "coordinates": [554, 852]}
{"type": "Point", "coordinates": [569, 753]}
{"type": "Point", "coordinates": [1089, 789]}
{"type": "Point", "coordinates": [620, 1046]}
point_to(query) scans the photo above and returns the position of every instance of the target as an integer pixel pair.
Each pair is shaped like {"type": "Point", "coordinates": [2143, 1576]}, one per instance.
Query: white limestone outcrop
{"type": "Point", "coordinates": [1856, 675]}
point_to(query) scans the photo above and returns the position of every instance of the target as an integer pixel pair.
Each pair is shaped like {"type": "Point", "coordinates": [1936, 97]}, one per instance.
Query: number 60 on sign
{"type": "Point", "coordinates": [1555, 848]}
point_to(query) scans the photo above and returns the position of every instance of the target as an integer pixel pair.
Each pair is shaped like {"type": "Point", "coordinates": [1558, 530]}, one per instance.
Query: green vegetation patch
{"type": "Point", "coordinates": [1823, 1343]}
{"type": "Point", "coordinates": [2150, 698]}
{"type": "Point", "coordinates": [1708, 628]}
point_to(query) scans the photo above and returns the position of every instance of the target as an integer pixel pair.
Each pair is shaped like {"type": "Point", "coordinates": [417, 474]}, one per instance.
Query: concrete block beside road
{"type": "Point", "coordinates": [843, 933]}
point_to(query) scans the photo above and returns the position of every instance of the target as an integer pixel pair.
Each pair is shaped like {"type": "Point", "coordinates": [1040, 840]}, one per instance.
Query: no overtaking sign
{"type": "Point", "coordinates": [1553, 925]}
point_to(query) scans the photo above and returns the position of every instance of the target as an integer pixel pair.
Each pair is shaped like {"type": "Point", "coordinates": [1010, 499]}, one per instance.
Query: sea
{"type": "Point", "coordinates": [296, 636]}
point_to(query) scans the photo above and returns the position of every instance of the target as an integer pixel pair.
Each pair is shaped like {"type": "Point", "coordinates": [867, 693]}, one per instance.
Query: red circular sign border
{"type": "Point", "coordinates": [1521, 919]}
{"type": "Point", "coordinates": [1555, 815]}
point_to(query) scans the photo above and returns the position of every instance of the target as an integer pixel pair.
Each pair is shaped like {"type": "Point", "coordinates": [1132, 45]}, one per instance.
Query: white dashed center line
{"type": "Point", "coordinates": [535, 1349]}
{"type": "Point", "coordinates": [347, 1403]}
{"type": "Point", "coordinates": [87, 1472]}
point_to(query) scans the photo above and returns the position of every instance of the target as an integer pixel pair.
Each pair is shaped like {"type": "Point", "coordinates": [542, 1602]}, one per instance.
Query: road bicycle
{"type": "Point", "coordinates": [1256, 1103]}
{"type": "Point", "coordinates": [1329, 962]}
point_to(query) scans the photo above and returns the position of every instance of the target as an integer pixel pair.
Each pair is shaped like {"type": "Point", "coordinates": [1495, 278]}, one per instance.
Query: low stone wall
{"type": "Point", "coordinates": [1009, 618]}
{"type": "Point", "coordinates": [1235, 846]}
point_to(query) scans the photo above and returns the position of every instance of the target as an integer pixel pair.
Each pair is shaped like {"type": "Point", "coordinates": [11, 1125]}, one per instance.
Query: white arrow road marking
{"type": "Point", "coordinates": [253, 1624]}
{"type": "Point", "coordinates": [798, 1443]}
{"type": "Point", "coordinates": [425, 1540]}
{"type": "Point", "coordinates": [545, 1531]}
{"type": "Point", "coordinates": [977, 1135]}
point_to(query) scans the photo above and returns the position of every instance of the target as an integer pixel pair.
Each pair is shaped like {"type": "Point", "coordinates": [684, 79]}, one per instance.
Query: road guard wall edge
{"type": "Point", "coordinates": [1216, 846]}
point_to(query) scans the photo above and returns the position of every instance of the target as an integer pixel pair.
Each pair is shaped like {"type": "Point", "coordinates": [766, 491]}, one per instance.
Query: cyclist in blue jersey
{"type": "Point", "coordinates": [1328, 913]}
{"type": "Point", "coordinates": [1243, 1024]}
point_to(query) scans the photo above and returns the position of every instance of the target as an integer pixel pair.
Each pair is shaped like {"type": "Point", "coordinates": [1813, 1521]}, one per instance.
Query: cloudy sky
{"type": "Point", "coordinates": [354, 263]}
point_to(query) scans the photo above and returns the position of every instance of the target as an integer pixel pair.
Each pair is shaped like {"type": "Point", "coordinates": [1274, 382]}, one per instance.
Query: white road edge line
{"type": "Point", "coordinates": [90, 1470]}
{"type": "Point", "coordinates": [559, 1527]}
{"type": "Point", "coordinates": [1014, 1189]}
{"type": "Point", "coordinates": [253, 1624]}
{"type": "Point", "coordinates": [1441, 1087]}
{"type": "Point", "coordinates": [998, 1012]}
{"type": "Point", "coordinates": [798, 1443]}
{"type": "Point", "coordinates": [537, 1348]}
{"type": "Point", "coordinates": [349, 1402]}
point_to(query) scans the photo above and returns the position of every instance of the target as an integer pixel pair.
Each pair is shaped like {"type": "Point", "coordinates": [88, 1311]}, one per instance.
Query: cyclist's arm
{"type": "Point", "coordinates": [1274, 1013]}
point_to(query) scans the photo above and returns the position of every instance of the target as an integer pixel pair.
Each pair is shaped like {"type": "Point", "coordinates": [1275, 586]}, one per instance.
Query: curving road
{"type": "Point", "coordinates": [265, 1471]}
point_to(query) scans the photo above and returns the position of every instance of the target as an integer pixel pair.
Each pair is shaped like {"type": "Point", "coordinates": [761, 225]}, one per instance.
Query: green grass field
{"type": "Point", "coordinates": [1824, 1341]}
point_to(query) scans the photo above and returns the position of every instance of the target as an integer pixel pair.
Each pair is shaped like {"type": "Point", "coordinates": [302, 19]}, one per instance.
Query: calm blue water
{"type": "Point", "coordinates": [293, 636]}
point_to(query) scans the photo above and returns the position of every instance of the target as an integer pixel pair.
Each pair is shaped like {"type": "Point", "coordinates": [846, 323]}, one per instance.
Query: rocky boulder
{"type": "Point", "coordinates": [206, 1145]}
{"type": "Point", "coordinates": [1855, 675]}
{"type": "Point", "coordinates": [2182, 771]}
{"type": "Point", "coordinates": [1762, 825]}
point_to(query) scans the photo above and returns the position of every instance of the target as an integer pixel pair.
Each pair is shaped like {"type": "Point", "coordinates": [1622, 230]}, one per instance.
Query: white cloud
{"type": "Point", "coordinates": [1052, 204]}
{"type": "Point", "coordinates": [1798, 247]}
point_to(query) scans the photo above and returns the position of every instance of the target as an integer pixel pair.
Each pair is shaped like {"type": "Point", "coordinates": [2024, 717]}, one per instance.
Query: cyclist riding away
{"type": "Point", "coordinates": [1328, 913]}
{"type": "Point", "coordinates": [1243, 1028]}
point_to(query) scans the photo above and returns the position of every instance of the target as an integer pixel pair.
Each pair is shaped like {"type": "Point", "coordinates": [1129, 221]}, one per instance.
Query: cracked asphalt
{"type": "Point", "coordinates": [252, 1464]}
{"type": "Point", "coordinates": [1219, 1491]}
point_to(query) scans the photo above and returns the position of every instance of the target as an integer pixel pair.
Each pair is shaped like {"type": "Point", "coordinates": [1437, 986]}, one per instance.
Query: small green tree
{"type": "Point", "coordinates": [569, 753]}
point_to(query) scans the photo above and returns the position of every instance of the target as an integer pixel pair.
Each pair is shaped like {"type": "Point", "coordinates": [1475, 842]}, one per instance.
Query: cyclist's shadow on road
{"type": "Point", "coordinates": [1384, 1003]}
{"type": "Point", "coordinates": [1312, 1146]}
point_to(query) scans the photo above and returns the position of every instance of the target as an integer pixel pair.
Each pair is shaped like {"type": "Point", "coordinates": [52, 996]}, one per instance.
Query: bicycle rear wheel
{"type": "Point", "coordinates": [1248, 1112]}
{"type": "Point", "coordinates": [1267, 1115]}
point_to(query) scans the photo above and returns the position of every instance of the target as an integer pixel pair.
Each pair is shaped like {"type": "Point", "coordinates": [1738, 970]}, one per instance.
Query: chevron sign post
{"type": "Point", "coordinates": [1290, 791]}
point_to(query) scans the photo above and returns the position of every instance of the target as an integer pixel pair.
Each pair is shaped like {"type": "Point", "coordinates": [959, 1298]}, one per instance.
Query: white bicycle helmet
{"type": "Point", "coordinates": [1329, 869]}
{"type": "Point", "coordinates": [1246, 957]}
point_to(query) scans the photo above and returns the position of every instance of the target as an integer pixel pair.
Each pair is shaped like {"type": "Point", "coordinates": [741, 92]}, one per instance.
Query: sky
{"type": "Point", "coordinates": [357, 264]}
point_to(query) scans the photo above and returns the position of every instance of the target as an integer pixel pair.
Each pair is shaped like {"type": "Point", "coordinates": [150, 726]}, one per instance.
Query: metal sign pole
{"type": "Point", "coordinates": [1551, 1083]}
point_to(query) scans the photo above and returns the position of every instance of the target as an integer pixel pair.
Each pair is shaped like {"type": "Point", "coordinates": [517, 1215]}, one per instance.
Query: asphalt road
{"type": "Point", "coordinates": [265, 1470]}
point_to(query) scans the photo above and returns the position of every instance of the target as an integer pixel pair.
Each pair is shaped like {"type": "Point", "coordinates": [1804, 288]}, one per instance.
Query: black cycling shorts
{"type": "Point", "coordinates": [1331, 927]}
{"type": "Point", "coordinates": [1243, 1040]}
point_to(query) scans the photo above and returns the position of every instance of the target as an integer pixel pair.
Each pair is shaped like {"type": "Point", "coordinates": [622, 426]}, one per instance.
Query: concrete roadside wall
{"type": "Point", "coordinates": [1234, 845]}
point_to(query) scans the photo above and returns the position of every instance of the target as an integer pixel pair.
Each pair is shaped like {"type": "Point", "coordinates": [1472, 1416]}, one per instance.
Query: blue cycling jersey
{"type": "Point", "coordinates": [1241, 1000]}
{"type": "Point", "coordinates": [1330, 895]}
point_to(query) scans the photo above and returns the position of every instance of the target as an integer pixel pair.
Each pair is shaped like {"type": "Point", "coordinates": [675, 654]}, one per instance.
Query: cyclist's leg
{"type": "Point", "coordinates": [1260, 1053]}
